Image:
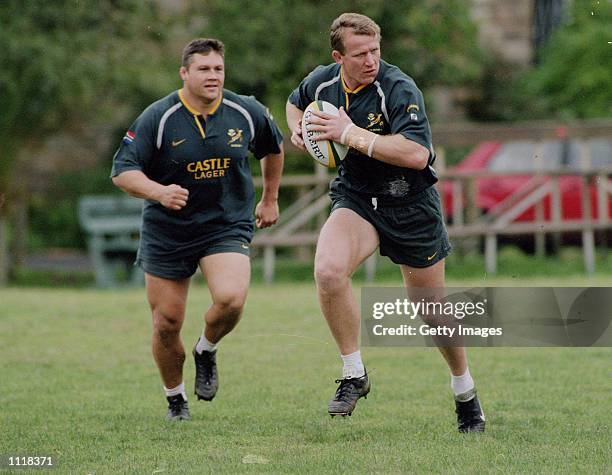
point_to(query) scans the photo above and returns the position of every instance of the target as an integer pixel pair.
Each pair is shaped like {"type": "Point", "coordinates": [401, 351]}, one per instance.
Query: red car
{"type": "Point", "coordinates": [525, 155]}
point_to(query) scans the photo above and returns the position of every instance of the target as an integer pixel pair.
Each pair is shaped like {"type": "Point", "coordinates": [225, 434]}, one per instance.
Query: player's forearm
{"type": "Point", "coordinates": [137, 184]}
{"type": "Point", "coordinates": [392, 149]}
{"type": "Point", "coordinates": [272, 170]}
{"type": "Point", "coordinates": [294, 115]}
{"type": "Point", "coordinates": [400, 151]}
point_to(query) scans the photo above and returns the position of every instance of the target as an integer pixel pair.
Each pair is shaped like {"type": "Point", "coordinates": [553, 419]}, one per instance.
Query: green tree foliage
{"type": "Point", "coordinates": [277, 43]}
{"type": "Point", "coordinates": [574, 77]}
{"type": "Point", "coordinates": [70, 61]}
{"type": "Point", "coordinates": [74, 64]}
{"type": "Point", "coordinates": [67, 66]}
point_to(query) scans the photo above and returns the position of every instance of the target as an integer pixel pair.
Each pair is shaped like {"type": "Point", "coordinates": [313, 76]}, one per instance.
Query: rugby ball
{"type": "Point", "coordinates": [326, 152]}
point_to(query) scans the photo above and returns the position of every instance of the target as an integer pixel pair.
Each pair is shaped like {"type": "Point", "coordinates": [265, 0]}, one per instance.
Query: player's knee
{"type": "Point", "coordinates": [329, 274]}
{"type": "Point", "coordinates": [434, 317]}
{"type": "Point", "coordinates": [167, 323]}
{"type": "Point", "coordinates": [431, 320]}
{"type": "Point", "coordinates": [231, 305]}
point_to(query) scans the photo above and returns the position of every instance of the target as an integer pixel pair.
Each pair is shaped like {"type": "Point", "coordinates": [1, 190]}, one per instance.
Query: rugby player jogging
{"type": "Point", "coordinates": [187, 156]}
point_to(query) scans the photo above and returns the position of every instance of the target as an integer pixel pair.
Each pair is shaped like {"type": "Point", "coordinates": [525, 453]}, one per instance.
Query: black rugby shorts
{"type": "Point", "coordinates": [411, 233]}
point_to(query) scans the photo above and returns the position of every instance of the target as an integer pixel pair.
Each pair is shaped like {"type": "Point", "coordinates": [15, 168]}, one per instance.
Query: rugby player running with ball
{"type": "Point", "coordinates": [382, 198]}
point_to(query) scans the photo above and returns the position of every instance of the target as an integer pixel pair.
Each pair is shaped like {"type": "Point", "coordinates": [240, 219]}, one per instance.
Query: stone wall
{"type": "Point", "coordinates": [506, 28]}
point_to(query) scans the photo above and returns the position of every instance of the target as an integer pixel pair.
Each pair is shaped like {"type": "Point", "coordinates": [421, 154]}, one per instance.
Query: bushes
{"type": "Point", "coordinates": [53, 215]}
{"type": "Point", "coordinates": [574, 75]}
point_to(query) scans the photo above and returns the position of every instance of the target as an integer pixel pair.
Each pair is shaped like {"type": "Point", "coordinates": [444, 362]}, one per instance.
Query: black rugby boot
{"type": "Point", "coordinates": [206, 380]}
{"type": "Point", "coordinates": [177, 408]}
{"type": "Point", "coordinates": [347, 395]}
{"type": "Point", "coordinates": [470, 417]}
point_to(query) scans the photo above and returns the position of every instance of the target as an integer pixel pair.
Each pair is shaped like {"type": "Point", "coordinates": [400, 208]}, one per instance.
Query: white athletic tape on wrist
{"type": "Point", "coordinates": [371, 147]}
{"type": "Point", "coordinates": [344, 132]}
{"type": "Point", "coordinates": [360, 139]}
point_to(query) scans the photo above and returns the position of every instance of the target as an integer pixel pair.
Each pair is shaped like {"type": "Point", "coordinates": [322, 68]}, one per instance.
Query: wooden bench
{"type": "Point", "coordinates": [113, 227]}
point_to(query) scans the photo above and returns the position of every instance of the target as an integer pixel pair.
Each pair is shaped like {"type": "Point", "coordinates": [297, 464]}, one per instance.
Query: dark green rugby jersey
{"type": "Point", "coordinates": [392, 104]}
{"type": "Point", "coordinates": [171, 144]}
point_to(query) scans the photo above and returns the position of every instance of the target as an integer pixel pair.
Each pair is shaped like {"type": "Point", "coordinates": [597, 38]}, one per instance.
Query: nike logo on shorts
{"type": "Point", "coordinates": [176, 143]}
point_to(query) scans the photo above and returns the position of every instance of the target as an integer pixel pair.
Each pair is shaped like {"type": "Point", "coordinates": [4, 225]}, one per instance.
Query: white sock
{"type": "Point", "coordinates": [353, 366]}
{"type": "Point", "coordinates": [204, 345]}
{"type": "Point", "coordinates": [180, 389]}
{"type": "Point", "coordinates": [462, 384]}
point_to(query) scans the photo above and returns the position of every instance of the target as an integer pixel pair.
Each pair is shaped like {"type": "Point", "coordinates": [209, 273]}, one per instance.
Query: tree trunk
{"type": "Point", "coordinates": [4, 257]}
{"type": "Point", "coordinates": [20, 230]}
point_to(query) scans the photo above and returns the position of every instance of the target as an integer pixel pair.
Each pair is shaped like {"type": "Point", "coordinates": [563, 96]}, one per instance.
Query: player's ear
{"type": "Point", "coordinates": [183, 72]}
{"type": "Point", "coordinates": [337, 56]}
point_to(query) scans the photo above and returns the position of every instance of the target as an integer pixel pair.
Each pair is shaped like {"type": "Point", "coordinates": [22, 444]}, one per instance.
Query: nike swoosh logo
{"type": "Point", "coordinates": [244, 246]}
{"type": "Point", "coordinates": [177, 143]}
{"type": "Point", "coordinates": [429, 258]}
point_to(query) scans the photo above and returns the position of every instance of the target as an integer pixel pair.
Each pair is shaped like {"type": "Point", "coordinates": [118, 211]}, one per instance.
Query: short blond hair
{"type": "Point", "coordinates": [355, 22]}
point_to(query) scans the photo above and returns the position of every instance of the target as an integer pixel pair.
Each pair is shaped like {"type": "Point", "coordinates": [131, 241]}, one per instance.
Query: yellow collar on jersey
{"type": "Point", "coordinates": [346, 88]}
{"type": "Point", "coordinates": [196, 114]}
{"type": "Point", "coordinates": [191, 109]}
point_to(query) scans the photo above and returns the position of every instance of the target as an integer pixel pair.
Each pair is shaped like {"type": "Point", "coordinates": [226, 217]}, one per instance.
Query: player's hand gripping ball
{"type": "Point", "coordinates": [325, 152]}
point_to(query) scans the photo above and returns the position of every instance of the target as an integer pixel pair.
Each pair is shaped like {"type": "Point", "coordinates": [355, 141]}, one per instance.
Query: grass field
{"type": "Point", "coordinates": [78, 382]}
{"type": "Point", "coordinates": [514, 266]}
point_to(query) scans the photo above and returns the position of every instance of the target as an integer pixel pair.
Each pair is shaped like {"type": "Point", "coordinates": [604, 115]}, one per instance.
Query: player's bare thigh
{"type": "Point", "coordinates": [228, 275]}
{"type": "Point", "coordinates": [345, 241]}
{"type": "Point", "coordinates": [416, 279]}
{"type": "Point", "coordinates": [167, 299]}
{"type": "Point", "coordinates": [425, 283]}
{"type": "Point", "coordinates": [432, 276]}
